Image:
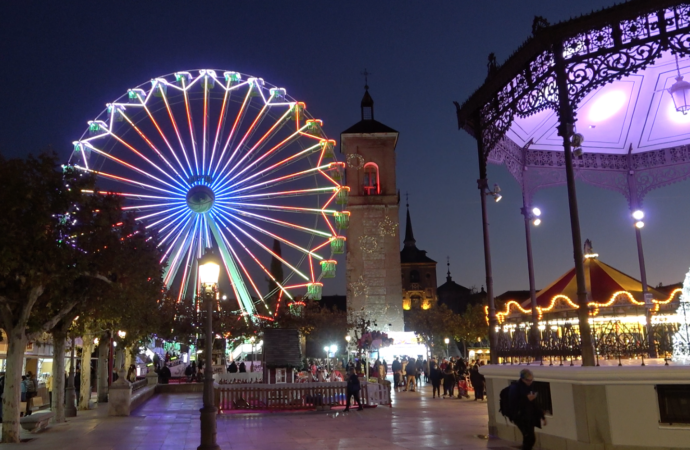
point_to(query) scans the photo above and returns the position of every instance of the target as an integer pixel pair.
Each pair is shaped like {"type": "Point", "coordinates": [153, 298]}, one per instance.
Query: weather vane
{"type": "Point", "coordinates": [366, 78]}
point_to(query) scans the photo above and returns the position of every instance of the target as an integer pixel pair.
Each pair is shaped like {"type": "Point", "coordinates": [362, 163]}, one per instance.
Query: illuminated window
{"type": "Point", "coordinates": [371, 179]}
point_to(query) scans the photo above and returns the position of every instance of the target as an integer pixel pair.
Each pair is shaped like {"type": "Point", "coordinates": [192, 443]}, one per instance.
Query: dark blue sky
{"type": "Point", "coordinates": [60, 62]}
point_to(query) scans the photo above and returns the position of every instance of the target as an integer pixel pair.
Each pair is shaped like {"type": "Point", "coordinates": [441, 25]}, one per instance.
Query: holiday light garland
{"type": "Point", "coordinates": [596, 306]}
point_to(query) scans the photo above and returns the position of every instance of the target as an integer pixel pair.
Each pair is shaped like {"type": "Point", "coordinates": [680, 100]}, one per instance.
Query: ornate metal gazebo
{"type": "Point", "coordinates": [601, 99]}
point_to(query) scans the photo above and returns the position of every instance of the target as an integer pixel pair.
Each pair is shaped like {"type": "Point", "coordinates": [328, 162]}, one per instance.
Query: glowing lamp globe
{"type": "Point", "coordinates": [680, 93]}
{"type": "Point", "coordinates": [209, 269]}
{"type": "Point", "coordinates": [638, 215]}
{"type": "Point", "coordinates": [200, 199]}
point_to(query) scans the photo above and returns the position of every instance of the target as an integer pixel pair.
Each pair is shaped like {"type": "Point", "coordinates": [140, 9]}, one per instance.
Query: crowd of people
{"type": "Point", "coordinates": [449, 373]}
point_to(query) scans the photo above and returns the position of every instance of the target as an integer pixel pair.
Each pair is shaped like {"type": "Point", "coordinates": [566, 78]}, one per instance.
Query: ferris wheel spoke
{"type": "Point", "coordinates": [138, 153]}
{"type": "Point", "coordinates": [167, 143]}
{"type": "Point", "coordinates": [154, 148]}
{"type": "Point", "coordinates": [174, 218]}
{"type": "Point", "coordinates": [179, 225]}
{"type": "Point", "coordinates": [221, 124]}
{"type": "Point", "coordinates": [128, 181]}
{"type": "Point", "coordinates": [274, 236]}
{"type": "Point", "coordinates": [278, 194]}
{"type": "Point", "coordinates": [256, 260]}
{"type": "Point", "coordinates": [173, 252]}
{"type": "Point", "coordinates": [268, 250]}
{"type": "Point", "coordinates": [278, 222]}
{"type": "Point", "coordinates": [231, 265]}
{"type": "Point", "coordinates": [265, 207]}
{"type": "Point", "coordinates": [127, 195]}
{"type": "Point", "coordinates": [149, 206]}
{"type": "Point", "coordinates": [185, 280]}
{"type": "Point", "coordinates": [191, 125]}
{"type": "Point", "coordinates": [131, 167]}
{"type": "Point", "coordinates": [230, 141]}
{"type": "Point", "coordinates": [177, 131]}
{"type": "Point", "coordinates": [262, 141]}
{"type": "Point", "coordinates": [251, 163]}
{"type": "Point", "coordinates": [239, 260]}
{"type": "Point", "coordinates": [275, 181]}
{"type": "Point", "coordinates": [160, 212]}
{"type": "Point", "coordinates": [247, 135]}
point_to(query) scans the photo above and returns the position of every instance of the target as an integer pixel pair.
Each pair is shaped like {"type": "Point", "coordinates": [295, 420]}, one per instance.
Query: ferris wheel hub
{"type": "Point", "coordinates": [200, 199]}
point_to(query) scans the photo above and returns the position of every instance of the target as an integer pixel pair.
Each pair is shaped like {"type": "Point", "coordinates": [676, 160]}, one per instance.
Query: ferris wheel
{"type": "Point", "coordinates": [219, 159]}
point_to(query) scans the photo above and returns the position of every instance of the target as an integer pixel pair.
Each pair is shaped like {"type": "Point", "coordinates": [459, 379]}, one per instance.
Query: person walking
{"type": "Point", "coordinates": [435, 377]}
{"type": "Point", "coordinates": [448, 381]}
{"type": "Point", "coordinates": [31, 390]}
{"type": "Point", "coordinates": [477, 380]}
{"type": "Point", "coordinates": [353, 388]}
{"type": "Point", "coordinates": [397, 373]}
{"type": "Point", "coordinates": [526, 413]}
{"type": "Point", "coordinates": [411, 371]}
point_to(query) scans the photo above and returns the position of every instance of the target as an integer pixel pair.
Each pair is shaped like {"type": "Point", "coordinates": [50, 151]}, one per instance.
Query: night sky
{"type": "Point", "coordinates": [60, 62]}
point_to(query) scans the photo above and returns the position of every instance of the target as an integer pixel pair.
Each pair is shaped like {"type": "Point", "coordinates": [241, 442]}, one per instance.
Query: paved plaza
{"type": "Point", "coordinates": [171, 422]}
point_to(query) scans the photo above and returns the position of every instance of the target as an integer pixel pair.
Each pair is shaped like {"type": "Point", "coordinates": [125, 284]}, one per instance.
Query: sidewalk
{"type": "Point", "coordinates": [171, 422]}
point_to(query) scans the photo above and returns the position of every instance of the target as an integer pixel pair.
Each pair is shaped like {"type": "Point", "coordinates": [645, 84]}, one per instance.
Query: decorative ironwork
{"type": "Point", "coordinates": [592, 59]}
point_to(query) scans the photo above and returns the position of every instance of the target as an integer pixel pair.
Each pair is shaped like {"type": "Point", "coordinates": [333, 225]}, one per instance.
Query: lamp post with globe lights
{"type": "Point", "coordinates": [532, 217]}
{"type": "Point", "coordinates": [638, 216]}
{"type": "Point", "coordinates": [209, 270]}
{"type": "Point", "coordinates": [348, 338]}
{"type": "Point", "coordinates": [447, 341]}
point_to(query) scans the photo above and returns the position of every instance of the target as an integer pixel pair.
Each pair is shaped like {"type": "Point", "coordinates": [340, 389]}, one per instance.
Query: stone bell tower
{"type": "Point", "coordinates": [373, 255]}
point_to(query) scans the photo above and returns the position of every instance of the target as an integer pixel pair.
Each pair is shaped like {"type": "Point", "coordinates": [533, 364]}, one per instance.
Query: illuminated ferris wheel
{"type": "Point", "coordinates": [219, 159]}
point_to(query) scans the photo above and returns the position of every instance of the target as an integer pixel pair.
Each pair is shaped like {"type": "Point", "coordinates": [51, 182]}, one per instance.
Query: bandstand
{"type": "Point", "coordinates": [601, 99]}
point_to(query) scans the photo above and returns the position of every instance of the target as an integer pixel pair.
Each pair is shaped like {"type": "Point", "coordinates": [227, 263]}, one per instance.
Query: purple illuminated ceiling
{"type": "Point", "coordinates": [636, 110]}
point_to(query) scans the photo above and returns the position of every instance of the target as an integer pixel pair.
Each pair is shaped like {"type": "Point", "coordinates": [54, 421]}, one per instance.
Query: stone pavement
{"type": "Point", "coordinates": [171, 422]}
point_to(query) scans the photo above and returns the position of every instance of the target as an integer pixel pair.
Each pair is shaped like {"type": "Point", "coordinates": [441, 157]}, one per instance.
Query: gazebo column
{"type": "Point", "coordinates": [634, 203]}
{"type": "Point", "coordinates": [534, 337]}
{"type": "Point", "coordinates": [565, 130]}
{"type": "Point", "coordinates": [483, 185]}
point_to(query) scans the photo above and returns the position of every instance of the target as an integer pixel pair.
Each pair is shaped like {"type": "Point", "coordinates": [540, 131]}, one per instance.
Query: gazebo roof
{"type": "Point", "coordinates": [619, 64]}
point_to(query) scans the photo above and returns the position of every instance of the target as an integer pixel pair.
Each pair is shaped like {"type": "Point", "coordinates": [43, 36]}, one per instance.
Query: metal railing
{"type": "Point", "coordinates": [294, 395]}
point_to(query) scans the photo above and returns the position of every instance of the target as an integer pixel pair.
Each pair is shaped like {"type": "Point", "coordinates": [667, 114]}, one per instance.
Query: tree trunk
{"type": "Point", "coordinates": [103, 369]}
{"type": "Point", "coordinates": [16, 346]}
{"type": "Point", "coordinates": [85, 385]}
{"type": "Point", "coordinates": [58, 405]}
{"type": "Point", "coordinates": [129, 358]}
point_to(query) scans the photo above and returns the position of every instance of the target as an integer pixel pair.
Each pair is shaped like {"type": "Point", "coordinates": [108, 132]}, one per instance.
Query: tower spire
{"type": "Point", "coordinates": [367, 104]}
{"type": "Point", "coordinates": [448, 278]}
{"type": "Point", "coordinates": [409, 234]}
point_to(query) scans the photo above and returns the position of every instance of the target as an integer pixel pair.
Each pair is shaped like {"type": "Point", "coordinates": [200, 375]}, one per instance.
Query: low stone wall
{"type": "Point", "coordinates": [595, 408]}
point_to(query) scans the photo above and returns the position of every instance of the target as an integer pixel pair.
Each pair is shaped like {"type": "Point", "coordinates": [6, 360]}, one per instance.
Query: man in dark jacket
{"type": "Point", "coordinates": [411, 372]}
{"type": "Point", "coordinates": [353, 389]}
{"type": "Point", "coordinates": [526, 413]}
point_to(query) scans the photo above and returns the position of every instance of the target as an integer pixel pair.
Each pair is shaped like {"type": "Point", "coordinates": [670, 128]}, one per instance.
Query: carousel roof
{"type": "Point", "coordinates": [602, 281]}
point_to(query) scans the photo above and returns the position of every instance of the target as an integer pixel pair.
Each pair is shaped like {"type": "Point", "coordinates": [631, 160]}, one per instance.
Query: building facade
{"type": "Point", "coordinates": [373, 259]}
{"type": "Point", "coordinates": [418, 273]}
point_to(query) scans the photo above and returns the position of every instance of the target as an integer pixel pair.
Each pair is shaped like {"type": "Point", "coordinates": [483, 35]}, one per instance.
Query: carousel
{"type": "Point", "coordinates": [618, 315]}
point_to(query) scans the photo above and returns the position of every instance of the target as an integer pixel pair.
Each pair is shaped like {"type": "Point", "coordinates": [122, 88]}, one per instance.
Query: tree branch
{"type": "Point", "coordinates": [50, 324]}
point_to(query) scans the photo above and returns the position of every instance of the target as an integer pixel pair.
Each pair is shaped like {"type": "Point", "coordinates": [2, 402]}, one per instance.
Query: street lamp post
{"type": "Point", "coordinates": [447, 341]}
{"type": "Point", "coordinates": [325, 349]}
{"type": "Point", "coordinates": [531, 217]}
{"type": "Point", "coordinates": [209, 270]}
